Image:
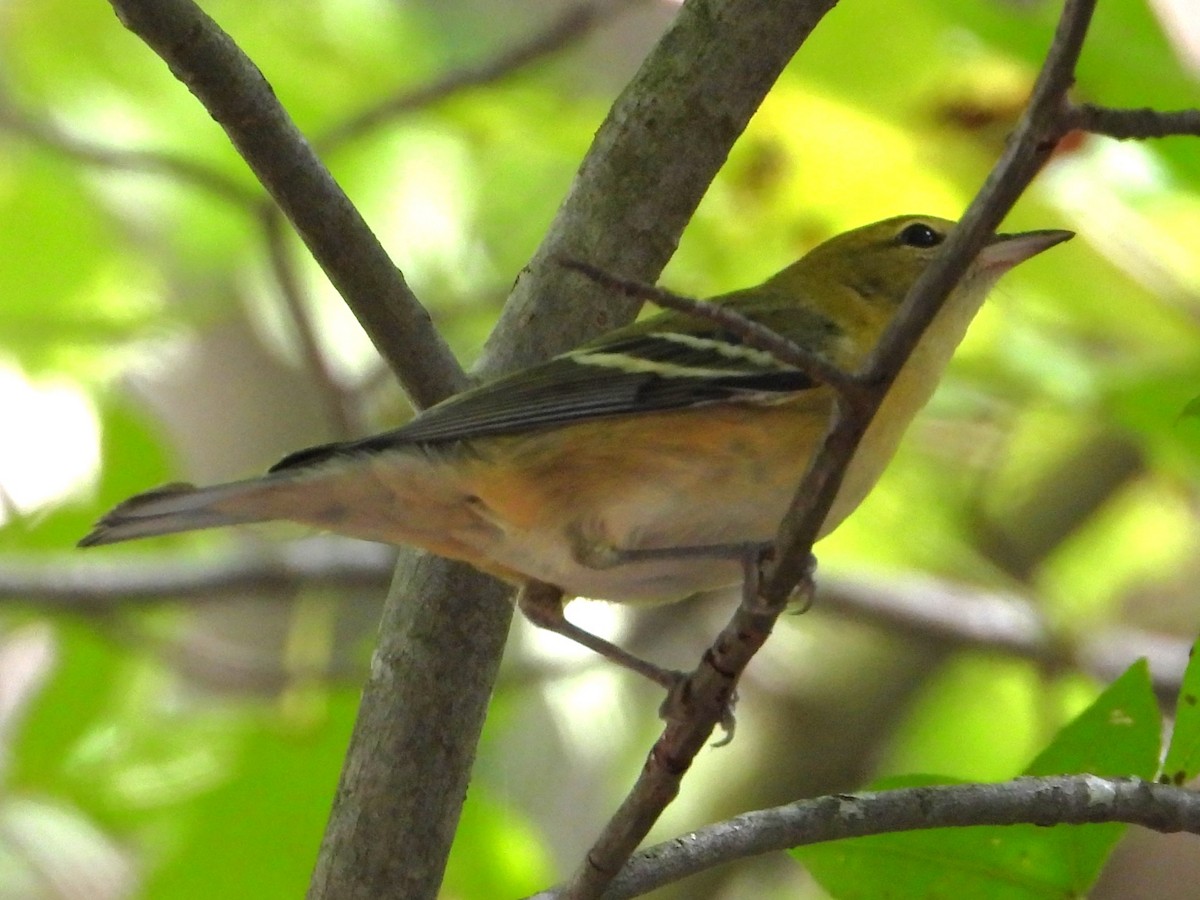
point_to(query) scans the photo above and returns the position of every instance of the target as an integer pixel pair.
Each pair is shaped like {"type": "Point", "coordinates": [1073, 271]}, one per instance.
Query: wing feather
{"type": "Point", "coordinates": [665, 363]}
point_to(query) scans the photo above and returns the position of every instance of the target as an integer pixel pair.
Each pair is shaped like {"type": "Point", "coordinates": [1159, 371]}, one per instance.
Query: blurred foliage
{"type": "Point", "coordinates": [193, 750]}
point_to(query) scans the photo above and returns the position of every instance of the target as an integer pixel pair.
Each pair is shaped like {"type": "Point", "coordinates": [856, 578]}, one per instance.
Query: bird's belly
{"type": "Point", "coordinates": [659, 581]}
{"type": "Point", "coordinates": [701, 529]}
{"type": "Point", "coordinates": [691, 482]}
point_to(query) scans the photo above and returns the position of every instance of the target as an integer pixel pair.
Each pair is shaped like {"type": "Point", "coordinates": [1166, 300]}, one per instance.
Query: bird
{"type": "Point", "coordinates": [633, 467]}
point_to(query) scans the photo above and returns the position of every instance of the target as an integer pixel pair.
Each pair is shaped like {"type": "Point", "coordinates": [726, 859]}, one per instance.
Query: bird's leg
{"type": "Point", "coordinates": [602, 555]}
{"type": "Point", "coordinates": [542, 604]}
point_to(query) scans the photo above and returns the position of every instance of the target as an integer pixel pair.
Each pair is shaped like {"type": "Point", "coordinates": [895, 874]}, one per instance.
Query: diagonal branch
{"type": "Point", "coordinates": [651, 161]}
{"type": "Point", "coordinates": [713, 682]}
{"type": "Point", "coordinates": [237, 96]}
{"type": "Point", "coordinates": [1026, 152]}
{"type": "Point", "coordinates": [48, 133]}
{"type": "Point", "coordinates": [575, 23]}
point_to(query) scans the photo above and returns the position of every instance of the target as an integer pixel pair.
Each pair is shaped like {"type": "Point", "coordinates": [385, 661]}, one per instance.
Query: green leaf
{"type": "Point", "coordinates": [1116, 735]}
{"type": "Point", "coordinates": [1183, 755]}
{"type": "Point", "coordinates": [996, 863]}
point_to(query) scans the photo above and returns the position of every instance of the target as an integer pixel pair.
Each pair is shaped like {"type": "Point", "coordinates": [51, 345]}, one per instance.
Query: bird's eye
{"type": "Point", "coordinates": [918, 234]}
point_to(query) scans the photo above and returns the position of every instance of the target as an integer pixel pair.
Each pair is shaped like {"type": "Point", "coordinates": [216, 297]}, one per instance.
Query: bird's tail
{"type": "Point", "coordinates": [181, 507]}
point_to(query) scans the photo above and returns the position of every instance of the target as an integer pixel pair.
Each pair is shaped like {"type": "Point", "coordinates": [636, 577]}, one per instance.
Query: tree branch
{"type": "Point", "coordinates": [651, 161]}
{"type": "Point", "coordinates": [49, 134]}
{"type": "Point", "coordinates": [1127, 124]}
{"type": "Point", "coordinates": [711, 685]}
{"type": "Point", "coordinates": [962, 617]}
{"type": "Point", "coordinates": [237, 96]}
{"type": "Point", "coordinates": [1053, 800]}
{"type": "Point", "coordinates": [575, 23]}
{"type": "Point", "coordinates": [967, 618]}
{"type": "Point", "coordinates": [332, 398]}
{"type": "Point", "coordinates": [1027, 150]}
{"type": "Point", "coordinates": [268, 570]}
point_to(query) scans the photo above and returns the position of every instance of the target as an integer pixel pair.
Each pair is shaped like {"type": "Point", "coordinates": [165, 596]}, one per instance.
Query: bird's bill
{"type": "Point", "coordinates": [1007, 250]}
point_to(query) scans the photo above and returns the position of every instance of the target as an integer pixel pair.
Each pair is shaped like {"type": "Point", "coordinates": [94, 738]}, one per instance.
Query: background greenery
{"type": "Point", "coordinates": [174, 749]}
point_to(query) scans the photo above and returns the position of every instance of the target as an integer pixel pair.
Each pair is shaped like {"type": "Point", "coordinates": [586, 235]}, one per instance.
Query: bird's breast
{"type": "Point", "coordinates": [704, 477]}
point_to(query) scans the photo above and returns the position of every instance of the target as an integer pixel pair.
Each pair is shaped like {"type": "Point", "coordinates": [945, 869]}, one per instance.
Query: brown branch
{"type": "Point", "coordinates": [712, 682]}
{"type": "Point", "coordinates": [1129, 124]}
{"type": "Point", "coordinates": [650, 163]}
{"type": "Point", "coordinates": [968, 618]}
{"type": "Point", "coordinates": [960, 616]}
{"type": "Point", "coordinates": [571, 26]}
{"type": "Point", "coordinates": [269, 570]}
{"type": "Point", "coordinates": [436, 660]}
{"type": "Point", "coordinates": [1050, 800]}
{"type": "Point", "coordinates": [237, 96]}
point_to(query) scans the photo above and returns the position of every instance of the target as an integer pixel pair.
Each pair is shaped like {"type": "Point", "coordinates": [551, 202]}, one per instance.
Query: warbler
{"type": "Point", "coordinates": [607, 471]}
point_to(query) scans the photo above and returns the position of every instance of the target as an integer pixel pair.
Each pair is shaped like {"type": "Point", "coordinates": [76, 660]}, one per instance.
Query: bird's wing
{"type": "Point", "coordinates": [668, 362]}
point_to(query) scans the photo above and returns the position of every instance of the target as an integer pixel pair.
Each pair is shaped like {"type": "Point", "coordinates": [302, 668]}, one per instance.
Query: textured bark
{"type": "Point", "coordinates": [652, 159]}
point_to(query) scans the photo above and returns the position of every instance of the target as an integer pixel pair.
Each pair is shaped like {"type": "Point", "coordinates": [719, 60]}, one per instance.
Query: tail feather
{"type": "Point", "coordinates": [403, 498]}
{"type": "Point", "coordinates": [169, 509]}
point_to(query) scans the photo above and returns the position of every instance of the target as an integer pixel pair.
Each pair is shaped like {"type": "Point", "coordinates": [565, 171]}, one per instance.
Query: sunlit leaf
{"type": "Point", "coordinates": [1182, 762]}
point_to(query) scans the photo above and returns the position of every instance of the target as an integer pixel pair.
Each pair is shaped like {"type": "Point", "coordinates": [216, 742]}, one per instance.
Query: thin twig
{"type": "Point", "coordinates": [752, 333]}
{"type": "Point", "coordinates": [52, 136]}
{"type": "Point", "coordinates": [1028, 148]}
{"type": "Point", "coordinates": [333, 399]}
{"type": "Point", "coordinates": [713, 680]}
{"type": "Point", "coordinates": [1128, 124]}
{"type": "Point", "coordinates": [574, 24]}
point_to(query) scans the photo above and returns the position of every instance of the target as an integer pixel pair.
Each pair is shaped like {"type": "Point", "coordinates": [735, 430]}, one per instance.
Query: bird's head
{"type": "Point", "coordinates": [882, 261]}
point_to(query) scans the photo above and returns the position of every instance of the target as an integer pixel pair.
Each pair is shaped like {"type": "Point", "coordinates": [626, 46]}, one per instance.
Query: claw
{"type": "Point", "coordinates": [727, 722]}
{"type": "Point", "coordinates": [805, 591]}
{"type": "Point", "coordinates": [678, 705]}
